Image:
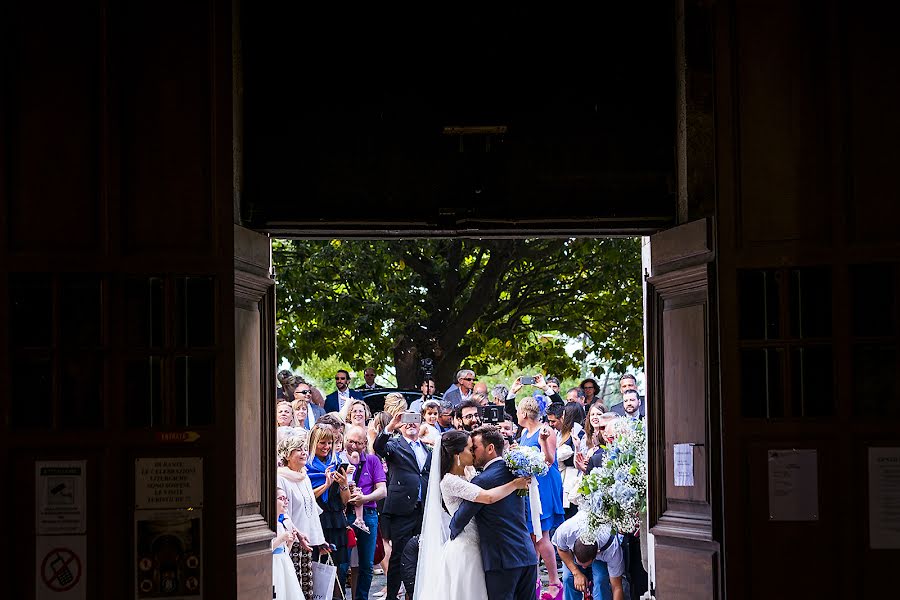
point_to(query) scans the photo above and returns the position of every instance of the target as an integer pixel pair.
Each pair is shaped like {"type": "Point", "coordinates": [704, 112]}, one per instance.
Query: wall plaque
{"type": "Point", "coordinates": [173, 482]}
{"type": "Point", "coordinates": [884, 498]}
{"type": "Point", "coordinates": [793, 485]}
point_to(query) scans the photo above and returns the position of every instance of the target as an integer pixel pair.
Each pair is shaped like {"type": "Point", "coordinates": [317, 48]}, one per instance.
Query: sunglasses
{"type": "Point", "coordinates": [469, 417]}
{"type": "Point", "coordinates": [304, 392]}
{"type": "Point", "coordinates": [469, 379]}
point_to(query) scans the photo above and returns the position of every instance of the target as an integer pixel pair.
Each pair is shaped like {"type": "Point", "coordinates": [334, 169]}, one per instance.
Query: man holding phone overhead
{"type": "Point", "coordinates": [408, 462]}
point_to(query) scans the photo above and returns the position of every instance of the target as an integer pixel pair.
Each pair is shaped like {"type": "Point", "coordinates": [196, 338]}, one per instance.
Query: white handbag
{"type": "Point", "coordinates": [324, 576]}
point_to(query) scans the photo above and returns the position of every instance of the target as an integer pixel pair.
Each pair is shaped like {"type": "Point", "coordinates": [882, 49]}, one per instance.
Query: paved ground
{"type": "Point", "coordinates": [379, 581]}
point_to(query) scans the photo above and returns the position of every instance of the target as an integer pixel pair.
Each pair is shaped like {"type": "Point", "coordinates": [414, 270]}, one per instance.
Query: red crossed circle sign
{"type": "Point", "coordinates": [61, 570]}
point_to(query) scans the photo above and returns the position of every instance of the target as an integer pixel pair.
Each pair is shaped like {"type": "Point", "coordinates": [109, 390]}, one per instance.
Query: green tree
{"type": "Point", "coordinates": [460, 302]}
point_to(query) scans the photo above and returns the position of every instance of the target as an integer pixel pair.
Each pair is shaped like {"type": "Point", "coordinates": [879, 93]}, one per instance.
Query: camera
{"type": "Point", "coordinates": [426, 366]}
{"type": "Point", "coordinates": [492, 413]}
{"type": "Point", "coordinates": [526, 380]}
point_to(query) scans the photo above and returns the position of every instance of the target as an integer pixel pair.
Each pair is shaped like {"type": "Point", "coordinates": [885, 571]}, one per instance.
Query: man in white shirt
{"type": "Point", "coordinates": [335, 401]}
{"type": "Point", "coordinates": [601, 564]}
{"type": "Point", "coordinates": [465, 381]}
{"type": "Point", "coordinates": [369, 376]}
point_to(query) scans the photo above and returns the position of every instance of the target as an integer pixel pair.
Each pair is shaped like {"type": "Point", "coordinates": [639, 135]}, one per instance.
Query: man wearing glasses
{"type": "Point", "coordinates": [335, 400]}
{"type": "Point", "coordinates": [469, 415]}
{"type": "Point", "coordinates": [465, 381]}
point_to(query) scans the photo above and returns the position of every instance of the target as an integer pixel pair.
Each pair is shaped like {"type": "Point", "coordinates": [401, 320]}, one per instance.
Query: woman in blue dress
{"type": "Point", "coordinates": [542, 437]}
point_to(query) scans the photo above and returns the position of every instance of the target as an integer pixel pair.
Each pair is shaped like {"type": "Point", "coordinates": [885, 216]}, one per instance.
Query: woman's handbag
{"type": "Point", "coordinates": [324, 576]}
{"type": "Point", "coordinates": [351, 538]}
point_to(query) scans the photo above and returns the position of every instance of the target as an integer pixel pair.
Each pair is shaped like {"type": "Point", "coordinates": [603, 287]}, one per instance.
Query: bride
{"type": "Point", "coordinates": [452, 570]}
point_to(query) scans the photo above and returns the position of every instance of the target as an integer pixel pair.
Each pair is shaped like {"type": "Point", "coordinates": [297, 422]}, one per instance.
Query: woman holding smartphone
{"type": "Point", "coordinates": [329, 482]}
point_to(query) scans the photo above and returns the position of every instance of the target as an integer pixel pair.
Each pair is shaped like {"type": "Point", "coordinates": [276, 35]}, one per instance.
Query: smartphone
{"type": "Point", "coordinates": [343, 467]}
{"type": "Point", "coordinates": [526, 380]}
{"type": "Point", "coordinates": [411, 417]}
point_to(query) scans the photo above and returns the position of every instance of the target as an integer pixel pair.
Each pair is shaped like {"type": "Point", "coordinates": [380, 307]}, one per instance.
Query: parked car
{"type": "Point", "coordinates": [375, 398]}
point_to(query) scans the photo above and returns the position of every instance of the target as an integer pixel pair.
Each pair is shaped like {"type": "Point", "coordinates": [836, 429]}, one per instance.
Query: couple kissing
{"type": "Point", "coordinates": [493, 557]}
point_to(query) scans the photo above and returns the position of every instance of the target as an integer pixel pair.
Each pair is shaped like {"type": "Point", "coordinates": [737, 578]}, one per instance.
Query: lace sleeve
{"type": "Point", "coordinates": [461, 488]}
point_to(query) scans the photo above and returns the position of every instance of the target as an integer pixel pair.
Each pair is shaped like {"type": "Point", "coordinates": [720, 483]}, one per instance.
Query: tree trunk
{"type": "Point", "coordinates": [406, 363]}
{"type": "Point", "coordinates": [408, 353]}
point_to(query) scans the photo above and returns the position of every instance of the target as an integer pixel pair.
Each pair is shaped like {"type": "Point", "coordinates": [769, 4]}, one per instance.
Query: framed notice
{"type": "Point", "coordinates": [793, 485]}
{"type": "Point", "coordinates": [884, 498]}
{"type": "Point", "coordinates": [173, 482]}
{"type": "Point", "coordinates": [59, 494]}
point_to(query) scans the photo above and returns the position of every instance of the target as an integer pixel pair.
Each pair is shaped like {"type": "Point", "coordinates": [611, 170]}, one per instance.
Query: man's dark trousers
{"type": "Point", "coordinates": [401, 528]}
{"type": "Point", "coordinates": [518, 583]}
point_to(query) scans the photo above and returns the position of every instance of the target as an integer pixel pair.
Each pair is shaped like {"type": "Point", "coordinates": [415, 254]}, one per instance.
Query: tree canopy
{"type": "Point", "coordinates": [460, 302]}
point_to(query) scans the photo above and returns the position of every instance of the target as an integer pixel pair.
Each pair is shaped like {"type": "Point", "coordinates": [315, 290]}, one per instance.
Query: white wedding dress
{"type": "Point", "coordinates": [462, 576]}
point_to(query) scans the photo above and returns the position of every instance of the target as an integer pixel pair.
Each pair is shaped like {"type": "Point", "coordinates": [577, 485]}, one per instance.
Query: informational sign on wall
{"type": "Point", "coordinates": [168, 554]}
{"type": "Point", "coordinates": [59, 494]}
{"type": "Point", "coordinates": [884, 498]}
{"type": "Point", "coordinates": [60, 564]}
{"type": "Point", "coordinates": [174, 482]}
{"type": "Point", "coordinates": [793, 485]}
{"type": "Point", "coordinates": [684, 465]}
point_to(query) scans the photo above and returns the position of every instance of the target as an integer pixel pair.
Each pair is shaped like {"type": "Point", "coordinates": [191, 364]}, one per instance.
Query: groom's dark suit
{"type": "Point", "coordinates": [507, 552]}
{"type": "Point", "coordinates": [402, 512]}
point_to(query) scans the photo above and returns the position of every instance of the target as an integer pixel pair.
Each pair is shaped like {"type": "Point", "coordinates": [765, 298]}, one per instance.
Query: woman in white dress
{"type": "Point", "coordinates": [452, 570]}
{"type": "Point", "coordinates": [302, 509]}
{"type": "Point", "coordinates": [284, 580]}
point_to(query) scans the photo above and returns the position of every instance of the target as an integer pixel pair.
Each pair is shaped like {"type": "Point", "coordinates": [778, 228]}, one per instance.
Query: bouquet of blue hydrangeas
{"type": "Point", "coordinates": [525, 461]}
{"type": "Point", "coordinates": [615, 494]}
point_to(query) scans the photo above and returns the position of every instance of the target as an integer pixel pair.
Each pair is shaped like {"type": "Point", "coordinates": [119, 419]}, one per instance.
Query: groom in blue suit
{"type": "Point", "coordinates": [507, 551]}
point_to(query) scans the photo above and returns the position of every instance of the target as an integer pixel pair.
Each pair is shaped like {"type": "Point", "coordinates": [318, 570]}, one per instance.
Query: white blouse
{"type": "Point", "coordinates": [302, 509]}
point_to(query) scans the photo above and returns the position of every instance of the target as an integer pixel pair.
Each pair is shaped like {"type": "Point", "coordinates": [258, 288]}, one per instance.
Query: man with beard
{"type": "Point", "coordinates": [630, 406]}
{"type": "Point", "coordinates": [507, 552]}
{"type": "Point", "coordinates": [469, 415]}
{"type": "Point", "coordinates": [335, 401]}
{"type": "Point", "coordinates": [629, 382]}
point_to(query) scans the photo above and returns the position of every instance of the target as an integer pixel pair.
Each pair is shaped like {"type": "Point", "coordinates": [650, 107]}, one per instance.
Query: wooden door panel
{"type": "Point", "coordinates": [684, 348]}
{"type": "Point", "coordinates": [684, 573]}
{"type": "Point", "coordinates": [681, 381]}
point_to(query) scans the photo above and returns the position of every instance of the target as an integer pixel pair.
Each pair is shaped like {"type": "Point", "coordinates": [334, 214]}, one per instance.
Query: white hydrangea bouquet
{"type": "Point", "coordinates": [525, 461]}
{"type": "Point", "coordinates": [615, 494]}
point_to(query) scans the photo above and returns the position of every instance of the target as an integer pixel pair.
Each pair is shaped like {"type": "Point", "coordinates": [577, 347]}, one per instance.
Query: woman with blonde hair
{"type": "Point", "coordinates": [332, 493]}
{"type": "Point", "coordinates": [301, 505]}
{"type": "Point", "coordinates": [302, 416]}
{"type": "Point", "coordinates": [356, 412]}
{"type": "Point", "coordinates": [542, 437]}
{"type": "Point", "coordinates": [284, 414]}
{"type": "Point", "coordinates": [394, 403]}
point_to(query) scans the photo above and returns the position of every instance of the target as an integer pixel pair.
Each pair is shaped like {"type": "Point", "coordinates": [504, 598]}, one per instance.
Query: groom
{"type": "Point", "coordinates": [507, 552]}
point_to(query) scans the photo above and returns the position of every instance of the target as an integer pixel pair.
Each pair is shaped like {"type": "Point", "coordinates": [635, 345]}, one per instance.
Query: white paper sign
{"type": "Point", "coordinates": [59, 493]}
{"type": "Point", "coordinates": [684, 465]}
{"type": "Point", "coordinates": [884, 498]}
{"type": "Point", "coordinates": [793, 485]}
{"type": "Point", "coordinates": [60, 565]}
{"type": "Point", "coordinates": [175, 482]}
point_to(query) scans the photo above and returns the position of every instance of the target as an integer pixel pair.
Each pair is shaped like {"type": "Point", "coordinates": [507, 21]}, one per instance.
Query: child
{"type": "Point", "coordinates": [359, 523]}
{"type": "Point", "coordinates": [284, 578]}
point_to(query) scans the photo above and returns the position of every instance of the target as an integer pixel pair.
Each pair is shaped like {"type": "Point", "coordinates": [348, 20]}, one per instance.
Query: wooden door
{"type": "Point", "coordinates": [682, 409]}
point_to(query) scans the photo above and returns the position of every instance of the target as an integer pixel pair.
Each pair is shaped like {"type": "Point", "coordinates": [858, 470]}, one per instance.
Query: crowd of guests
{"type": "Point", "coordinates": [351, 484]}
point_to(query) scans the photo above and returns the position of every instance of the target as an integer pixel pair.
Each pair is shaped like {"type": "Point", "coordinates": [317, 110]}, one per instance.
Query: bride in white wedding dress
{"type": "Point", "coordinates": [452, 570]}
